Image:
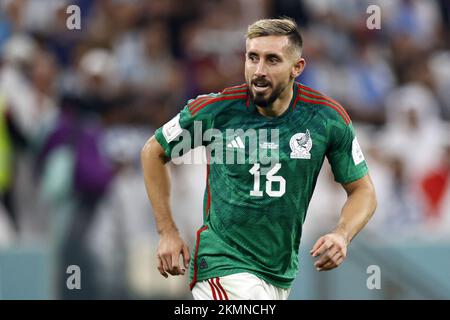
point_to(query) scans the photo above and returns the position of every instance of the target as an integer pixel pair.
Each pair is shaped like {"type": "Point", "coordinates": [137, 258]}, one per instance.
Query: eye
{"type": "Point", "coordinates": [273, 60]}
{"type": "Point", "coordinates": [252, 57]}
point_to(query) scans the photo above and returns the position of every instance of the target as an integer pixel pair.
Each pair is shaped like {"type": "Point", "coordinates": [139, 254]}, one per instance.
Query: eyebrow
{"type": "Point", "coordinates": [268, 55]}
{"type": "Point", "coordinates": [273, 55]}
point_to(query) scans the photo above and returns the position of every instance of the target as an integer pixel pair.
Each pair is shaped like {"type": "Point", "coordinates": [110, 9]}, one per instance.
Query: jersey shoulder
{"type": "Point", "coordinates": [214, 103]}
{"type": "Point", "coordinates": [316, 100]}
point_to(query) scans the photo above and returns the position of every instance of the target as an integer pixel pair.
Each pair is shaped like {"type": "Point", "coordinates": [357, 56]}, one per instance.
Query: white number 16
{"type": "Point", "coordinates": [271, 177]}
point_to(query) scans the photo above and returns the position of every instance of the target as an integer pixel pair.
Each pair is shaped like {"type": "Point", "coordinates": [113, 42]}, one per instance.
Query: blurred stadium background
{"type": "Point", "coordinates": [76, 106]}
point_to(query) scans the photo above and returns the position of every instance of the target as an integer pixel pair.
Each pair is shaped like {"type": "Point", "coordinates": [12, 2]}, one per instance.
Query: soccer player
{"type": "Point", "coordinates": [253, 213]}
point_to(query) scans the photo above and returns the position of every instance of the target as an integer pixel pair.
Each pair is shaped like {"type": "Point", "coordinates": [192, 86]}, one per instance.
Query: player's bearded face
{"type": "Point", "coordinates": [267, 69]}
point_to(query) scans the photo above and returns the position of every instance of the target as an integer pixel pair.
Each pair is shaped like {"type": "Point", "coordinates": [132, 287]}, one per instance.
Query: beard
{"type": "Point", "coordinates": [259, 97]}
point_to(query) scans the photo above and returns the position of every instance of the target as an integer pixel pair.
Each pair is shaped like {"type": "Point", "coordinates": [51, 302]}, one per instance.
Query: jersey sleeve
{"type": "Point", "coordinates": [183, 132]}
{"type": "Point", "coordinates": [345, 155]}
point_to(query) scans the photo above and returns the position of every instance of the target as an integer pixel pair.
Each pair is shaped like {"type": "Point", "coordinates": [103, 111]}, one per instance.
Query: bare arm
{"type": "Point", "coordinates": [358, 209]}
{"type": "Point", "coordinates": [157, 183]}
{"type": "Point", "coordinates": [356, 212]}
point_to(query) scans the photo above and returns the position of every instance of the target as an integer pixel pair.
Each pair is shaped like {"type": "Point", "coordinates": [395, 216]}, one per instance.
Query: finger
{"type": "Point", "coordinates": [326, 256]}
{"type": "Point", "coordinates": [327, 244]}
{"type": "Point", "coordinates": [161, 268]}
{"type": "Point", "coordinates": [318, 243]}
{"type": "Point", "coordinates": [339, 261]}
{"type": "Point", "coordinates": [186, 256]}
{"type": "Point", "coordinates": [166, 262]}
{"type": "Point", "coordinates": [175, 267]}
{"type": "Point", "coordinates": [327, 266]}
{"type": "Point", "coordinates": [324, 247]}
{"type": "Point", "coordinates": [333, 263]}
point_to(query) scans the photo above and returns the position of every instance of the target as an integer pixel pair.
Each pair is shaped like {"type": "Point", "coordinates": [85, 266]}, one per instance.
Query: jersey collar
{"type": "Point", "coordinates": [253, 110]}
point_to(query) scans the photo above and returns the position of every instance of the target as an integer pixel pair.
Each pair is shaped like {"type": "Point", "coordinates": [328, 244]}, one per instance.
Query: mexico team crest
{"type": "Point", "coordinates": [301, 144]}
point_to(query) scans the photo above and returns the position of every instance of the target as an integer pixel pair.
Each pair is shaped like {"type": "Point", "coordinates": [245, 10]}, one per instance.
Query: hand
{"type": "Point", "coordinates": [331, 250]}
{"type": "Point", "coordinates": [169, 249]}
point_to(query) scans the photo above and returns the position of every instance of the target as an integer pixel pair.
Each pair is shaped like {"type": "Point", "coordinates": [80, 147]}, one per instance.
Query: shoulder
{"type": "Point", "coordinates": [214, 102]}
{"type": "Point", "coordinates": [315, 99]}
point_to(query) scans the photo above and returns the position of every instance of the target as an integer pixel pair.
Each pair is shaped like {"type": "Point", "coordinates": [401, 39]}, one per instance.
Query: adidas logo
{"type": "Point", "coordinates": [236, 143]}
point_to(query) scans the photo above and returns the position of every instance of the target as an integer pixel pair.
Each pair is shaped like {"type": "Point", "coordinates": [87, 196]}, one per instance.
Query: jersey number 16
{"type": "Point", "coordinates": [270, 179]}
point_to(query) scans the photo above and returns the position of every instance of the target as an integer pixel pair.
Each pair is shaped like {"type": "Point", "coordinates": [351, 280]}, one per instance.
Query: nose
{"type": "Point", "coordinates": [260, 69]}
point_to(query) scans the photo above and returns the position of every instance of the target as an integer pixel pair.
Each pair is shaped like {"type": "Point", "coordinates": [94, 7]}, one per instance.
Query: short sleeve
{"type": "Point", "coordinates": [183, 132]}
{"type": "Point", "coordinates": [345, 155]}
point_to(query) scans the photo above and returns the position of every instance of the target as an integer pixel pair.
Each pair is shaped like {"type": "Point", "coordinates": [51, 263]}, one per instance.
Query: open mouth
{"type": "Point", "coordinates": [260, 86]}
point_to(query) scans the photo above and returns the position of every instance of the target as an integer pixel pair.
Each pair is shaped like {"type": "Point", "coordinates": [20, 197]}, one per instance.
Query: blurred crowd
{"type": "Point", "coordinates": [76, 106]}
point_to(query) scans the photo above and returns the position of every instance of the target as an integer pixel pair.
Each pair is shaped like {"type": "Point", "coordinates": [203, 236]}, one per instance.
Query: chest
{"type": "Point", "coordinates": [295, 144]}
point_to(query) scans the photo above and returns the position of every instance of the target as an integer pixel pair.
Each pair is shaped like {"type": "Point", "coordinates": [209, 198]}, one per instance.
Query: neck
{"type": "Point", "coordinates": [280, 105]}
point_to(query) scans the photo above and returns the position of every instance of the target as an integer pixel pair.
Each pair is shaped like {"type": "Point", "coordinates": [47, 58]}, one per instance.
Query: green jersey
{"type": "Point", "coordinates": [261, 176]}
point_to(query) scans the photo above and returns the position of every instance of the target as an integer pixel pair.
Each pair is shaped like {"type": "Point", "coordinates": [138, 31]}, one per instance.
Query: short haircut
{"type": "Point", "coordinates": [277, 27]}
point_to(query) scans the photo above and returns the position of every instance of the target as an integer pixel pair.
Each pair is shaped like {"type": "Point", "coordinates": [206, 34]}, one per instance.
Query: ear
{"type": "Point", "coordinates": [298, 67]}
